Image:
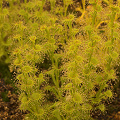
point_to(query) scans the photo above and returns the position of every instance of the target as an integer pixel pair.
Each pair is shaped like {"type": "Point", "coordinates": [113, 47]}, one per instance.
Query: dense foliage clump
{"type": "Point", "coordinates": [63, 62]}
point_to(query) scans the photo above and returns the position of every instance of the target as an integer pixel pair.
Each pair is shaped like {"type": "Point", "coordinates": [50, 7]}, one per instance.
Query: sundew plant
{"type": "Point", "coordinates": [62, 62]}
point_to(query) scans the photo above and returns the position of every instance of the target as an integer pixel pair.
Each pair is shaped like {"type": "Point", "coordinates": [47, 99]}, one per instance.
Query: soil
{"type": "Point", "coordinates": [9, 103]}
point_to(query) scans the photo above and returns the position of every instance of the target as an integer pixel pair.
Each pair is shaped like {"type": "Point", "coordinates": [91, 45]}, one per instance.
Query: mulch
{"type": "Point", "coordinates": [9, 104]}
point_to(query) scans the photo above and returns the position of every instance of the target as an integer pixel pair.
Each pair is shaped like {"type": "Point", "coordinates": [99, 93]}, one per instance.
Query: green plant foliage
{"type": "Point", "coordinates": [77, 98]}
{"type": "Point", "coordinates": [40, 112]}
{"type": "Point", "coordinates": [101, 107]}
{"type": "Point", "coordinates": [59, 59]}
{"type": "Point", "coordinates": [33, 38]}
{"type": "Point", "coordinates": [36, 96]}
{"type": "Point", "coordinates": [86, 106]}
{"type": "Point", "coordinates": [69, 108]}
{"type": "Point", "coordinates": [57, 114]}
{"type": "Point", "coordinates": [37, 48]}
{"type": "Point", "coordinates": [108, 93]}
{"type": "Point", "coordinates": [68, 86]}
{"type": "Point", "coordinates": [26, 69]}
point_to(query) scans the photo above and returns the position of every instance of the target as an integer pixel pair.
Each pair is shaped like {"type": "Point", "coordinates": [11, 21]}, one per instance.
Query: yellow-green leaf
{"type": "Point", "coordinates": [94, 61]}
{"type": "Point", "coordinates": [77, 98]}
{"type": "Point", "coordinates": [68, 86]}
{"type": "Point", "coordinates": [114, 55]}
{"type": "Point", "coordinates": [36, 96]}
{"type": "Point", "coordinates": [108, 93]}
{"type": "Point", "coordinates": [101, 107]}
{"type": "Point", "coordinates": [38, 48]}
{"type": "Point", "coordinates": [26, 69]}
{"type": "Point", "coordinates": [40, 112]}
{"type": "Point", "coordinates": [32, 38]}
